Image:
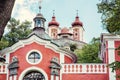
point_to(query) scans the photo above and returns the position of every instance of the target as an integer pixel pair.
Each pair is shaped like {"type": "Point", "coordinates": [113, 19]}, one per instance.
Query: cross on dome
{"type": "Point", "coordinates": [53, 12]}
{"type": "Point", "coordinates": [40, 1]}
{"type": "Point", "coordinates": [77, 12]}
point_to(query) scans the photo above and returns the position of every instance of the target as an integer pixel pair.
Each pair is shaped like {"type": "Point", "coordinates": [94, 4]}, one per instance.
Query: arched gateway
{"type": "Point", "coordinates": [34, 75]}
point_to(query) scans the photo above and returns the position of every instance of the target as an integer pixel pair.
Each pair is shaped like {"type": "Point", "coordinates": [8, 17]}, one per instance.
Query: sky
{"type": "Point", "coordinates": [65, 12]}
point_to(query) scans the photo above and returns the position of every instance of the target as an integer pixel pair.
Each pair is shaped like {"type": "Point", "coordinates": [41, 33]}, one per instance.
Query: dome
{"type": "Point", "coordinates": [53, 22]}
{"type": "Point", "coordinates": [65, 31]}
{"type": "Point", "coordinates": [39, 15]}
{"type": "Point", "coordinates": [77, 22]}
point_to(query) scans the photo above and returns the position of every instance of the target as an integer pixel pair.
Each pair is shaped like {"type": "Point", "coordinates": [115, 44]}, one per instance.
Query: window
{"type": "Point", "coordinates": [34, 76]}
{"type": "Point", "coordinates": [38, 23]}
{"type": "Point", "coordinates": [34, 57]}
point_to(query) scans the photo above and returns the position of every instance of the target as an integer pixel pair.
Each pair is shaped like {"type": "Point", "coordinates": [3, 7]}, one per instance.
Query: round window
{"type": "Point", "coordinates": [34, 57]}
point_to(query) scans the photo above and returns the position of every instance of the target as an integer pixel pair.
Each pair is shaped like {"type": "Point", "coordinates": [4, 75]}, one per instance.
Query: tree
{"type": "Point", "coordinates": [110, 10]}
{"type": "Point", "coordinates": [6, 7]}
{"type": "Point", "coordinates": [16, 31]}
{"type": "Point", "coordinates": [3, 43]}
{"type": "Point", "coordinates": [89, 53]}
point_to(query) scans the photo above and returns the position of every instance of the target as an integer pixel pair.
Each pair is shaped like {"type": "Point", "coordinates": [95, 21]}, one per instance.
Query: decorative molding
{"type": "Point", "coordinates": [34, 38]}
{"type": "Point", "coordinates": [13, 66]}
{"type": "Point", "coordinates": [28, 41]}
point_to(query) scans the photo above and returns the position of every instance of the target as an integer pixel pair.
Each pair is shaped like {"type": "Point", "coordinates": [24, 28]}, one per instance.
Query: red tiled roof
{"type": "Point", "coordinates": [53, 22]}
{"type": "Point", "coordinates": [77, 22]}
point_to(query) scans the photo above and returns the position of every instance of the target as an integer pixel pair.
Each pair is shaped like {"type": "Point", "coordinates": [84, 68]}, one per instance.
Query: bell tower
{"type": "Point", "coordinates": [53, 27]}
{"type": "Point", "coordinates": [77, 29]}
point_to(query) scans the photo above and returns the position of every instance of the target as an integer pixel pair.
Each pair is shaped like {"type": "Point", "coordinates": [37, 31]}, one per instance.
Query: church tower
{"type": "Point", "coordinates": [53, 27]}
{"type": "Point", "coordinates": [77, 29]}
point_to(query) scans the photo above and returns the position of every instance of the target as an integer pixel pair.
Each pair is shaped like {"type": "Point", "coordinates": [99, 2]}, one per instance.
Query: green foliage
{"type": "Point", "coordinates": [3, 43]}
{"type": "Point", "coordinates": [110, 15]}
{"type": "Point", "coordinates": [89, 53]}
{"type": "Point", "coordinates": [16, 31]}
{"type": "Point", "coordinates": [73, 47]}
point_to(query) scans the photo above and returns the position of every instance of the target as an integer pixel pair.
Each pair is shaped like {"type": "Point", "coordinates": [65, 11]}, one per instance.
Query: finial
{"type": "Point", "coordinates": [77, 12]}
{"type": "Point", "coordinates": [40, 5]}
{"type": "Point", "coordinates": [53, 12]}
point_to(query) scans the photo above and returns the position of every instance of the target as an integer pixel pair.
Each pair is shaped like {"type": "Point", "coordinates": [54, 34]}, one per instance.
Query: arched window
{"type": "Point", "coordinates": [34, 75]}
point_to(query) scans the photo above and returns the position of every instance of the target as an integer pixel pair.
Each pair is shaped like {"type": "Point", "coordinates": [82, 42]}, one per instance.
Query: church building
{"type": "Point", "coordinates": [45, 54]}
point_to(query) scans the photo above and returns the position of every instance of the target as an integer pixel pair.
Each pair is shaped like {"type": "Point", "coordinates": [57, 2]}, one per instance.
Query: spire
{"type": "Point", "coordinates": [53, 12]}
{"type": "Point", "coordinates": [77, 21]}
{"type": "Point", "coordinates": [53, 21]}
{"type": "Point", "coordinates": [40, 6]}
{"type": "Point", "coordinates": [77, 12]}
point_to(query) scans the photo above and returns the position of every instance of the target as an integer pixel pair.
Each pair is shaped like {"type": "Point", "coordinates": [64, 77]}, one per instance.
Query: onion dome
{"type": "Point", "coordinates": [53, 22]}
{"type": "Point", "coordinates": [65, 31]}
{"type": "Point", "coordinates": [77, 22]}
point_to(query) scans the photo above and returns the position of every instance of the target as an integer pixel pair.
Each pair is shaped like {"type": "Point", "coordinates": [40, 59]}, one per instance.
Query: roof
{"type": "Point", "coordinates": [65, 31]}
{"type": "Point", "coordinates": [53, 22]}
{"type": "Point", "coordinates": [39, 15]}
{"type": "Point", "coordinates": [63, 41]}
{"type": "Point", "coordinates": [77, 22]}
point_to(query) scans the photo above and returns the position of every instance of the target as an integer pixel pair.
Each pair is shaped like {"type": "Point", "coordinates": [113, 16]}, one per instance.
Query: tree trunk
{"type": "Point", "coordinates": [6, 7]}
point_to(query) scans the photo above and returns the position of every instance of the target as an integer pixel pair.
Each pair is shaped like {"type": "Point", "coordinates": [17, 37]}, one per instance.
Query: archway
{"type": "Point", "coordinates": [29, 71]}
{"type": "Point", "coordinates": [34, 75]}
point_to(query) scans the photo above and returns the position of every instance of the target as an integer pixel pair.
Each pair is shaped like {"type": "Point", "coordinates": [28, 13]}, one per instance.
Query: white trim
{"type": "Point", "coordinates": [28, 41]}
{"type": "Point", "coordinates": [7, 58]}
{"type": "Point", "coordinates": [62, 60]}
{"type": "Point", "coordinates": [11, 77]}
{"type": "Point", "coordinates": [111, 58]}
{"type": "Point", "coordinates": [52, 77]}
{"type": "Point", "coordinates": [31, 69]}
{"type": "Point", "coordinates": [15, 77]}
{"type": "Point", "coordinates": [30, 53]}
{"type": "Point", "coordinates": [57, 77]}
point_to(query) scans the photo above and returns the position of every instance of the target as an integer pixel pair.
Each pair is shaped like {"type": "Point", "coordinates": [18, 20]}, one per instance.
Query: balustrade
{"type": "Point", "coordinates": [3, 68]}
{"type": "Point", "coordinates": [84, 68]}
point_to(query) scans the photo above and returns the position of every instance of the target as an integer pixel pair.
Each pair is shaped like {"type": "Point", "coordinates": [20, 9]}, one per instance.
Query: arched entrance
{"type": "Point", "coordinates": [30, 70]}
{"type": "Point", "coordinates": [34, 75]}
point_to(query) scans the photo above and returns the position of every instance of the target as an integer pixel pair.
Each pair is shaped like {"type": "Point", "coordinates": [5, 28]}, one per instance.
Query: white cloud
{"type": "Point", "coordinates": [25, 14]}
{"type": "Point", "coordinates": [22, 10]}
{"type": "Point", "coordinates": [19, 1]}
